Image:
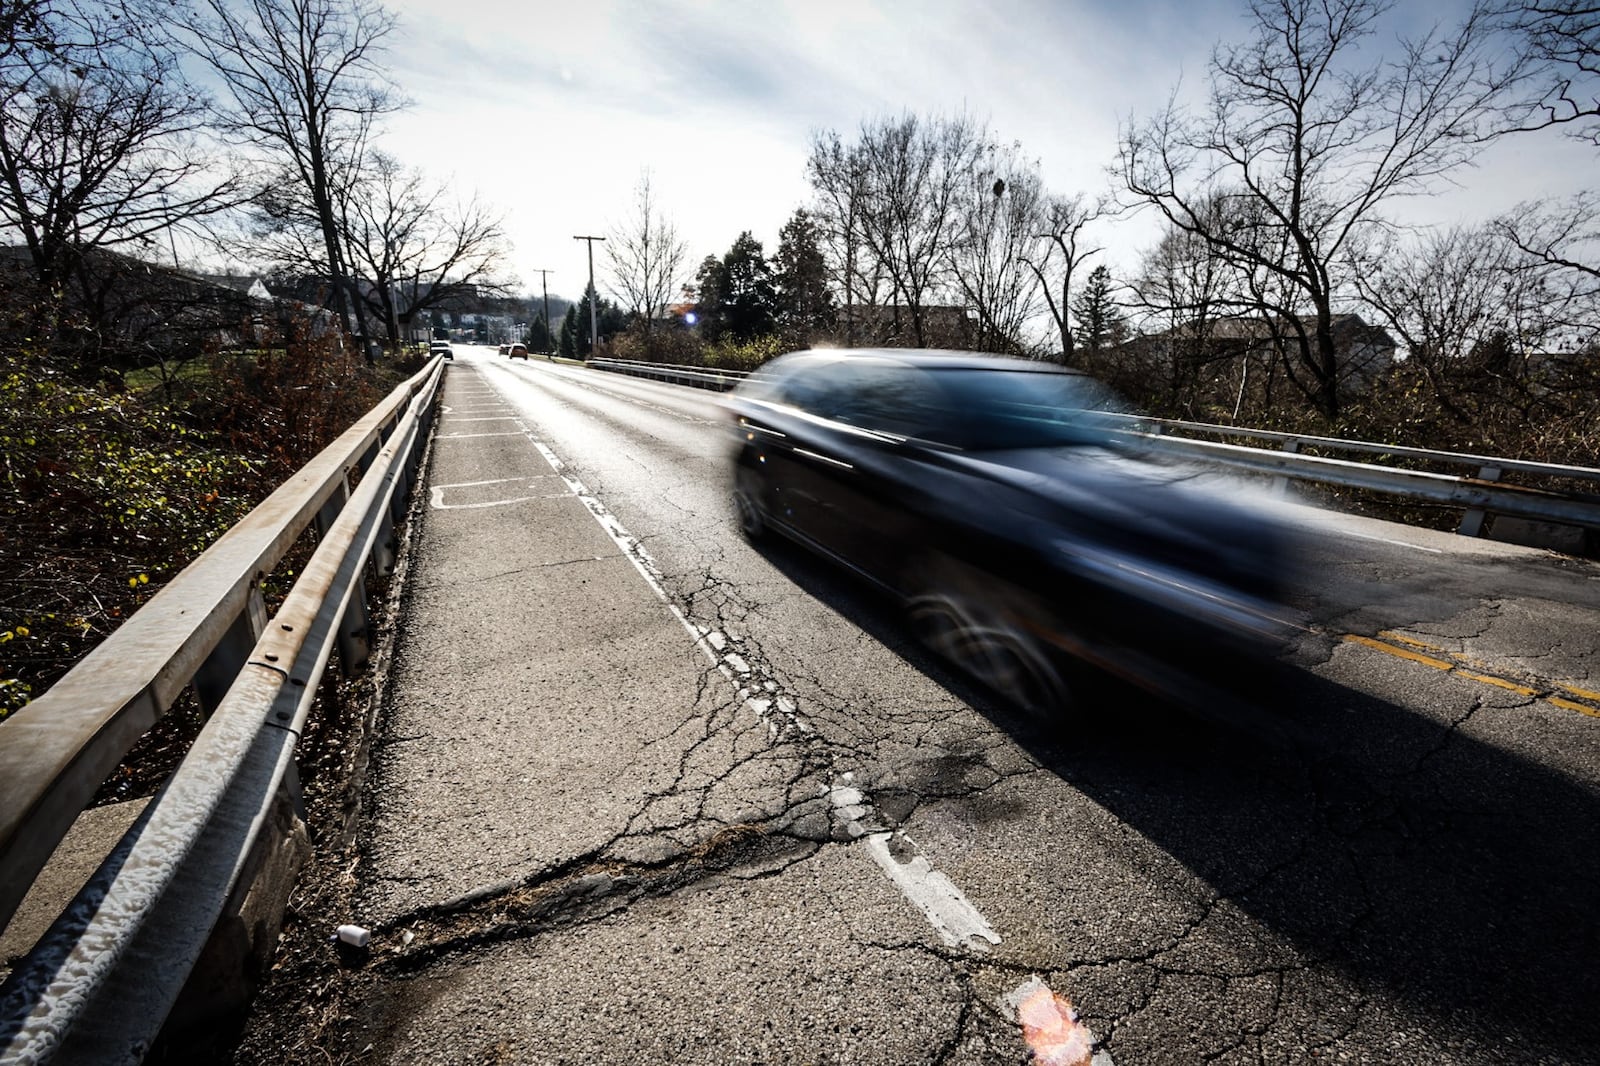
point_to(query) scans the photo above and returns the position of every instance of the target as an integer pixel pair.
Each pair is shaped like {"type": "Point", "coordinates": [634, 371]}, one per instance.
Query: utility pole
{"type": "Point", "coordinates": [544, 283]}
{"type": "Point", "coordinates": [594, 297]}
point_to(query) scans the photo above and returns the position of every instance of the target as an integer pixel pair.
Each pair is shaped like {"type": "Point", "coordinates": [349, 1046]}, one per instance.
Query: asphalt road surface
{"type": "Point", "coordinates": [648, 793]}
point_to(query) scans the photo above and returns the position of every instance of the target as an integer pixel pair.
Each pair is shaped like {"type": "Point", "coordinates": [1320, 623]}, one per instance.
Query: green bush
{"type": "Point", "coordinates": [727, 355]}
{"type": "Point", "coordinates": [99, 494]}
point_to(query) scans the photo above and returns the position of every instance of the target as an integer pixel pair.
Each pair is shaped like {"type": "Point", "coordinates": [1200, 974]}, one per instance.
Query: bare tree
{"type": "Point", "coordinates": [1000, 215]}
{"type": "Point", "coordinates": [100, 134]}
{"type": "Point", "coordinates": [1064, 251]}
{"type": "Point", "coordinates": [1309, 143]}
{"type": "Point", "coordinates": [647, 258]}
{"type": "Point", "coordinates": [892, 206]}
{"type": "Point", "coordinates": [1561, 38]}
{"type": "Point", "coordinates": [1560, 242]}
{"type": "Point", "coordinates": [307, 85]}
{"type": "Point", "coordinates": [915, 172]}
{"type": "Point", "coordinates": [838, 179]}
{"type": "Point", "coordinates": [415, 250]}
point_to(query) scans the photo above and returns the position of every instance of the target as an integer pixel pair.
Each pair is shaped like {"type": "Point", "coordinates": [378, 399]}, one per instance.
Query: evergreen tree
{"type": "Point", "coordinates": [539, 338]}
{"type": "Point", "coordinates": [1101, 323]}
{"type": "Point", "coordinates": [611, 320]}
{"type": "Point", "coordinates": [805, 304]}
{"type": "Point", "coordinates": [750, 301]}
{"type": "Point", "coordinates": [567, 338]}
{"type": "Point", "coordinates": [736, 295]}
{"type": "Point", "coordinates": [710, 292]}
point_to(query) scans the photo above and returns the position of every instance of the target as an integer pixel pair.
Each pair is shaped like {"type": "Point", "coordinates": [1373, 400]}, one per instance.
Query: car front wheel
{"type": "Point", "coordinates": [747, 486]}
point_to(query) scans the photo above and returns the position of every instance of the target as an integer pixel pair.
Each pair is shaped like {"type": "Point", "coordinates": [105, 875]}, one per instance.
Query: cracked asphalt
{"type": "Point", "coordinates": [633, 771]}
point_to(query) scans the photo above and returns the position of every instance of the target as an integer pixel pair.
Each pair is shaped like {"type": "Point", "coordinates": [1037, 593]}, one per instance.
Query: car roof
{"type": "Point", "coordinates": [926, 358]}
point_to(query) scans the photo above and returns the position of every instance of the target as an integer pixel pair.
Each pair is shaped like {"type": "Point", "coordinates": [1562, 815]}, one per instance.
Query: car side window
{"type": "Point", "coordinates": [902, 400]}
{"type": "Point", "coordinates": [813, 393]}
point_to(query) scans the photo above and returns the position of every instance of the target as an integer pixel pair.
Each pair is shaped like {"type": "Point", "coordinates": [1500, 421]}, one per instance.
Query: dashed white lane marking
{"type": "Point", "coordinates": [947, 909]}
{"type": "Point", "coordinates": [469, 436]}
{"type": "Point", "coordinates": [487, 418]}
{"type": "Point", "coordinates": [953, 917]}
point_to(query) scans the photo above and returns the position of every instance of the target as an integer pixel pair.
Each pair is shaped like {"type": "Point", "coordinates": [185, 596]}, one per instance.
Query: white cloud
{"type": "Point", "coordinates": [552, 109]}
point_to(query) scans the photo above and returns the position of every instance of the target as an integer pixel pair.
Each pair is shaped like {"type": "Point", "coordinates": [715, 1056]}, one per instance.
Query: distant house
{"type": "Point", "coordinates": [1363, 351]}
{"type": "Point", "coordinates": [130, 309]}
{"type": "Point", "coordinates": [252, 285]}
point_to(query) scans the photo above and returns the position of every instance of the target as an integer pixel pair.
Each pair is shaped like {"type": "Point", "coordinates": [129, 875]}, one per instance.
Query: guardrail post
{"type": "Point", "coordinates": [1472, 521]}
{"type": "Point", "coordinates": [216, 675]}
{"type": "Point", "coordinates": [1280, 485]}
{"type": "Point", "coordinates": [354, 648]}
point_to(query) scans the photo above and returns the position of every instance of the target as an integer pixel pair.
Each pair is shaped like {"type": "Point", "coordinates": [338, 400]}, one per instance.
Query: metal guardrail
{"type": "Point", "coordinates": [698, 377]}
{"type": "Point", "coordinates": [100, 983]}
{"type": "Point", "coordinates": [1479, 496]}
{"type": "Point", "coordinates": [1482, 495]}
{"type": "Point", "coordinates": [1474, 494]}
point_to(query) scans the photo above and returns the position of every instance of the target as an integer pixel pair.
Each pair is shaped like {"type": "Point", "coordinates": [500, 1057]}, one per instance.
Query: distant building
{"type": "Point", "coordinates": [1363, 351]}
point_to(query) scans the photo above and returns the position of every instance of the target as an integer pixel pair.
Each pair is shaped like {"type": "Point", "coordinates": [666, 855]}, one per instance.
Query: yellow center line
{"type": "Point", "coordinates": [1500, 682]}
{"type": "Point", "coordinates": [1400, 653]}
{"type": "Point", "coordinates": [1389, 634]}
{"type": "Point", "coordinates": [1569, 705]}
{"type": "Point", "coordinates": [1460, 670]}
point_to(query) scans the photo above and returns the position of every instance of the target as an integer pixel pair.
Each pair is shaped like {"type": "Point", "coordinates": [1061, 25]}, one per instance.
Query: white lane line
{"type": "Point", "coordinates": [953, 917]}
{"type": "Point", "coordinates": [1384, 540]}
{"type": "Point", "coordinates": [437, 493]}
{"type": "Point", "coordinates": [469, 436]}
{"type": "Point", "coordinates": [947, 909]}
{"type": "Point", "coordinates": [487, 418]}
{"type": "Point", "coordinates": [494, 481]}
{"type": "Point", "coordinates": [438, 503]}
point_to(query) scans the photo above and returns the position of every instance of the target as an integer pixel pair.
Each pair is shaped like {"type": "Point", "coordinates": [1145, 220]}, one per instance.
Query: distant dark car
{"type": "Point", "coordinates": [996, 499]}
{"type": "Point", "coordinates": [518, 351]}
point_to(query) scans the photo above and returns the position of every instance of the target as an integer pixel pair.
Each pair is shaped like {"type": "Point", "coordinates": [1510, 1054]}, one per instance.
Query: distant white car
{"type": "Point", "coordinates": [441, 348]}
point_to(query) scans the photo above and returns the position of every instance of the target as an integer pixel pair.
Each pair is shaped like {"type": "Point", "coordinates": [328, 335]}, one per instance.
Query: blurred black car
{"type": "Point", "coordinates": [1004, 503]}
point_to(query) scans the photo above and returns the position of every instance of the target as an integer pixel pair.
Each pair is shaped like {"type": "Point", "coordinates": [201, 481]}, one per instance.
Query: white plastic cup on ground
{"type": "Point", "coordinates": [354, 935]}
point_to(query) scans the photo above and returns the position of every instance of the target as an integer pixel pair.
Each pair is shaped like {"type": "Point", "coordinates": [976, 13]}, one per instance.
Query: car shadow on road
{"type": "Point", "coordinates": [1396, 847]}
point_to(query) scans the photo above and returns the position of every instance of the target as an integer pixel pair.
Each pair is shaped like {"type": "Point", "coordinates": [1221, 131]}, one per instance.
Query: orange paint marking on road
{"type": "Point", "coordinates": [1581, 693]}
{"type": "Point", "coordinates": [1052, 1031]}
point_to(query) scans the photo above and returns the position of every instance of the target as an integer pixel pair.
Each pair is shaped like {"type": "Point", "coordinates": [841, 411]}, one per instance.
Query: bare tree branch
{"type": "Point", "coordinates": [647, 258]}
{"type": "Point", "coordinates": [307, 84]}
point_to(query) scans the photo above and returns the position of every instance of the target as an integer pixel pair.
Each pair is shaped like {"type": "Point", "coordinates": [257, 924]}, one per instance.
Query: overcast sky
{"type": "Point", "coordinates": [551, 110]}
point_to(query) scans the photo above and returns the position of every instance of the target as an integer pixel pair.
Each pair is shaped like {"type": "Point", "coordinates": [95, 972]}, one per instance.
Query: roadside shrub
{"type": "Point", "coordinates": [727, 355]}
{"type": "Point", "coordinates": [102, 497]}
{"type": "Point", "coordinates": [105, 494]}
{"type": "Point", "coordinates": [664, 344]}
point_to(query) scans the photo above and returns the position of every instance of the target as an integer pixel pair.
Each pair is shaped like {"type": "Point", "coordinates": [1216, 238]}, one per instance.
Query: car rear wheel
{"type": "Point", "coordinates": [968, 627]}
